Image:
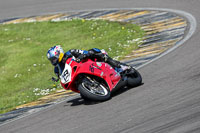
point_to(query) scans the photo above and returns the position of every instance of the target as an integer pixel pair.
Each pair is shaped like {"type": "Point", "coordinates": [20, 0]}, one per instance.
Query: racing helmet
{"type": "Point", "coordinates": [55, 54]}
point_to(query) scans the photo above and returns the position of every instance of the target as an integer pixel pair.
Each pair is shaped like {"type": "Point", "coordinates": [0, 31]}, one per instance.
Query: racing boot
{"type": "Point", "coordinates": [125, 67]}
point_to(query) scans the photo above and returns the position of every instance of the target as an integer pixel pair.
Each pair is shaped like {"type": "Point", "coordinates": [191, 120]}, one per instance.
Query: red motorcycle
{"type": "Point", "coordinates": [96, 80]}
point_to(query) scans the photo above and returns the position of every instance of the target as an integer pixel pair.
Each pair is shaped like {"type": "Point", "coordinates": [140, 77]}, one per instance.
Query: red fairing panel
{"type": "Point", "coordinates": [99, 69]}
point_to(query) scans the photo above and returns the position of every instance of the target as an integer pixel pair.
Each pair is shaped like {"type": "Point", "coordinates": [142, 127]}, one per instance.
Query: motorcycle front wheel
{"type": "Point", "coordinates": [90, 89]}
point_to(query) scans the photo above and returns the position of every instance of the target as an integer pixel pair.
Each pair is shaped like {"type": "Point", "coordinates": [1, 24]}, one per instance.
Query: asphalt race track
{"type": "Point", "coordinates": [167, 102]}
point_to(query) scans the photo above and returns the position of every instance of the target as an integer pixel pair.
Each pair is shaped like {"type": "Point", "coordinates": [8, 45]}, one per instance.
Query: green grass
{"type": "Point", "coordinates": [25, 71]}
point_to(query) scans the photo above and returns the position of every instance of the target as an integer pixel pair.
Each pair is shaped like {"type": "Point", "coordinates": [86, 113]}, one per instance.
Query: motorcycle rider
{"type": "Point", "coordinates": [58, 58]}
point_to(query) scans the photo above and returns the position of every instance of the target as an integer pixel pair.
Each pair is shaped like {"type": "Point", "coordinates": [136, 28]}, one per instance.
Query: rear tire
{"type": "Point", "coordinates": [134, 79]}
{"type": "Point", "coordinates": [100, 93]}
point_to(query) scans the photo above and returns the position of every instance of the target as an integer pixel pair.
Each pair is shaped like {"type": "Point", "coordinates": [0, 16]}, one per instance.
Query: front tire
{"type": "Point", "coordinates": [98, 92]}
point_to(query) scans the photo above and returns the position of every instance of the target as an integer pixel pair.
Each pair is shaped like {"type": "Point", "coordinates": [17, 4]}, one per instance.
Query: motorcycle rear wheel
{"type": "Point", "coordinates": [134, 79]}
{"type": "Point", "coordinates": [99, 92]}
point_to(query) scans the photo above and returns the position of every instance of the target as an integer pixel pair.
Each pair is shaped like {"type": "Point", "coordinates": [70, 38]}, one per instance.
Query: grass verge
{"type": "Point", "coordinates": [26, 72]}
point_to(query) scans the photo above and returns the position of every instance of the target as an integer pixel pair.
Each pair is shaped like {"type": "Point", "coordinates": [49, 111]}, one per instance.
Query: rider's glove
{"type": "Point", "coordinates": [54, 79]}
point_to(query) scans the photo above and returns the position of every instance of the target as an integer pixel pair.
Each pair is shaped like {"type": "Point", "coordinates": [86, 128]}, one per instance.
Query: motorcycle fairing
{"type": "Point", "coordinates": [99, 69]}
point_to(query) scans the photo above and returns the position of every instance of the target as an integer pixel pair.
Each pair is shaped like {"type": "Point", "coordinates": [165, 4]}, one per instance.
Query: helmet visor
{"type": "Point", "coordinates": [54, 61]}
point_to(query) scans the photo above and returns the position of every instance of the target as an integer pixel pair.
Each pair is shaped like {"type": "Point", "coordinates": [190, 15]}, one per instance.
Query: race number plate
{"type": "Point", "coordinates": [66, 74]}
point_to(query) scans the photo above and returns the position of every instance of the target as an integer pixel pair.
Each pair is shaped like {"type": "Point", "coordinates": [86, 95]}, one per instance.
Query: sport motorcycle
{"type": "Point", "coordinates": [96, 80]}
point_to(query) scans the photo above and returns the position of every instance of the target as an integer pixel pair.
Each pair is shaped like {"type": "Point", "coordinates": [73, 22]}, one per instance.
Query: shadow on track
{"type": "Point", "coordinates": [79, 101]}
